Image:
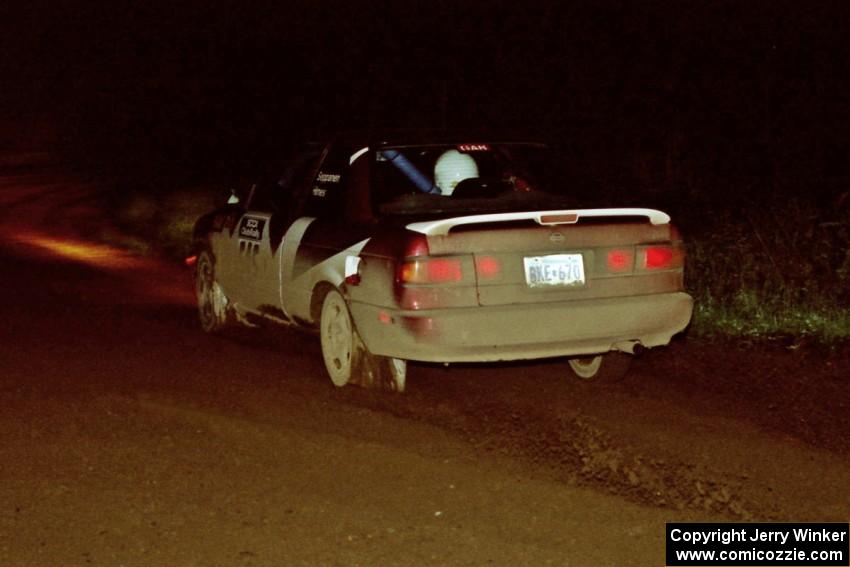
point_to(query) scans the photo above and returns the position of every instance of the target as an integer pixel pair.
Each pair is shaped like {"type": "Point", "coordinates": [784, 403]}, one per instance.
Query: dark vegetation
{"type": "Point", "coordinates": [778, 270]}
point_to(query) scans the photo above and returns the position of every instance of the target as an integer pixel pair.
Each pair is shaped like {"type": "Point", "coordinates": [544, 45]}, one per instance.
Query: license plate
{"type": "Point", "coordinates": [554, 270]}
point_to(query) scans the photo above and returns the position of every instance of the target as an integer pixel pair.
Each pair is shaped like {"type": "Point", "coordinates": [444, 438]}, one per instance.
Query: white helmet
{"type": "Point", "coordinates": [451, 168]}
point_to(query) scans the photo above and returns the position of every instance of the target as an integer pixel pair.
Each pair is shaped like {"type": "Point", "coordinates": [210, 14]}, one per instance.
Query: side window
{"type": "Point", "coordinates": [325, 198]}
{"type": "Point", "coordinates": [264, 198]}
{"type": "Point", "coordinates": [299, 172]}
{"type": "Point", "coordinates": [291, 185]}
{"type": "Point", "coordinates": [277, 192]}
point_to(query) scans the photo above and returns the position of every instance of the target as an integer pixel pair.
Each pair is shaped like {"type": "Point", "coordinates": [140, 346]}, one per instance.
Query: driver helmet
{"type": "Point", "coordinates": [451, 168]}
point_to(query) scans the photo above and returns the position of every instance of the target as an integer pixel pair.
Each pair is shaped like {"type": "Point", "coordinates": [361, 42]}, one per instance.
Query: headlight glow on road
{"type": "Point", "coordinates": [98, 255]}
{"type": "Point", "coordinates": [160, 283]}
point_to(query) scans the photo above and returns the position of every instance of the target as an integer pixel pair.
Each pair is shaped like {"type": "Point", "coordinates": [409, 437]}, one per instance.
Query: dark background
{"type": "Point", "coordinates": [718, 99]}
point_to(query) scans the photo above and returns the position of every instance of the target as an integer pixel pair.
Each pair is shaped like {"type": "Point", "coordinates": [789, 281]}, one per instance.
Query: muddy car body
{"type": "Point", "coordinates": [394, 256]}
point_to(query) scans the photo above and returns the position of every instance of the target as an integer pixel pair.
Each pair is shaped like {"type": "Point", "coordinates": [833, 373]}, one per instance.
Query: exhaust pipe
{"type": "Point", "coordinates": [632, 347]}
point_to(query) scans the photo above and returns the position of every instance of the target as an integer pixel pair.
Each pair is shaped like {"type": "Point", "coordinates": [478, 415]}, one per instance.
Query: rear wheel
{"type": "Point", "coordinates": [347, 359]}
{"type": "Point", "coordinates": [212, 303]}
{"type": "Point", "coordinates": [610, 367]}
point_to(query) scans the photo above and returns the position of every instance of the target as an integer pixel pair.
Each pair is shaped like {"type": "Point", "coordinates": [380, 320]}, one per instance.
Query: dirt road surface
{"type": "Point", "coordinates": [129, 437]}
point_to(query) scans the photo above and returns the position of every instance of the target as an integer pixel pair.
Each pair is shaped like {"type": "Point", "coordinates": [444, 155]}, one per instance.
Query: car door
{"type": "Point", "coordinates": [333, 223]}
{"type": "Point", "coordinates": [237, 251]}
{"type": "Point", "coordinates": [253, 256]}
{"type": "Point", "coordinates": [273, 208]}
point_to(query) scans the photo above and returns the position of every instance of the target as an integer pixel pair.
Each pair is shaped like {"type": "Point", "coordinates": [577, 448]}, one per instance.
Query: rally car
{"type": "Point", "coordinates": [445, 251]}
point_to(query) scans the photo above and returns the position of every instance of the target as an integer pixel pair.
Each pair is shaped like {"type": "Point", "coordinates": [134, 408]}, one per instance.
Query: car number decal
{"type": "Point", "coordinates": [251, 228]}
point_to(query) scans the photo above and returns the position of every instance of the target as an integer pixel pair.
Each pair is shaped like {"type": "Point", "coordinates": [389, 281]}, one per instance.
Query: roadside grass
{"type": "Point", "coordinates": [765, 271]}
{"type": "Point", "coordinates": [775, 270]}
{"type": "Point", "coordinates": [748, 319]}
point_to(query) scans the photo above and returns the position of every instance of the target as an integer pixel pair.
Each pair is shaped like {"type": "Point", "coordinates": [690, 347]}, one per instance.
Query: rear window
{"type": "Point", "coordinates": [462, 178]}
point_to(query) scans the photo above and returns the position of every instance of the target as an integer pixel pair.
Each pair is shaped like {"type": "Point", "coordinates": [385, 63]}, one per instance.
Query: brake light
{"type": "Point", "coordinates": [487, 267]}
{"type": "Point", "coordinates": [661, 258]}
{"type": "Point", "coordinates": [444, 270]}
{"type": "Point", "coordinates": [431, 270]}
{"type": "Point", "coordinates": [620, 261]}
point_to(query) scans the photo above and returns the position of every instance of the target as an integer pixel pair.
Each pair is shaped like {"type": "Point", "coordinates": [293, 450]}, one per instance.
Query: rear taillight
{"type": "Point", "coordinates": [658, 258]}
{"type": "Point", "coordinates": [487, 267]}
{"type": "Point", "coordinates": [423, 281]}
{"type": "Point", "coordinates": [661, 258]}
{"type": "Point", "coordinates": [418, 267]}
{"type": "Point", "coordinates": [620, 261]}
{"type": "Point", "coordinates": [431, 270]}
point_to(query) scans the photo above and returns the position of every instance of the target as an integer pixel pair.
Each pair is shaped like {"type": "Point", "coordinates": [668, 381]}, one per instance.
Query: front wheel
{"type": "Point", "coordinates": [610, 367]}
{"type": "Point", "coordinates": [212, 303]}
{"type": "Point", "coordinates": [347, 359]}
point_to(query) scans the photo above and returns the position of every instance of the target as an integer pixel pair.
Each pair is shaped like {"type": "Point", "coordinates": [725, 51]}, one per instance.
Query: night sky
{"type": "Point", "coordinates": [709, 96]}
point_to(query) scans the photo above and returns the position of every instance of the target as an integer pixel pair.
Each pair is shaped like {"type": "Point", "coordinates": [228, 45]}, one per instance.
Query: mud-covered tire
{"type": "Point", "coordinates": [212, 303]}
{"type": "Point", "coordinates": [607, 368]}
{"type": "Point", "coordinates": [347, 359]}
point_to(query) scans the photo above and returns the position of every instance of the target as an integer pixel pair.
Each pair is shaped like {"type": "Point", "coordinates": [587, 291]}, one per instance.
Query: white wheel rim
{"type": "Point", "coordinates": [398, 369]}
{"type": "Point", "coordinates": [204, 292]}
{"type": "Point", "coordinates": [586, 367]}
{"type": "Point", "coordinates": [337, 338]}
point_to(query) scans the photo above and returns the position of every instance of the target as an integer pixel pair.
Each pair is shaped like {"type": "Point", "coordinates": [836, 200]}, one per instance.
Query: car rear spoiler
{"type": "Point", "coordinates": [545, 218]}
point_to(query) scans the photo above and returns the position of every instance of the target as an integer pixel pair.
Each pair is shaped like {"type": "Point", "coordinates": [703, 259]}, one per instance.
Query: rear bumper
{"type": "Point", "coordinates": [516, 332]}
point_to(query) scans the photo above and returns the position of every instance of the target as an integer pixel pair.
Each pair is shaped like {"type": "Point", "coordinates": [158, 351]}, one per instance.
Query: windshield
{"type": "Point", "coordinates": [462, 178]}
